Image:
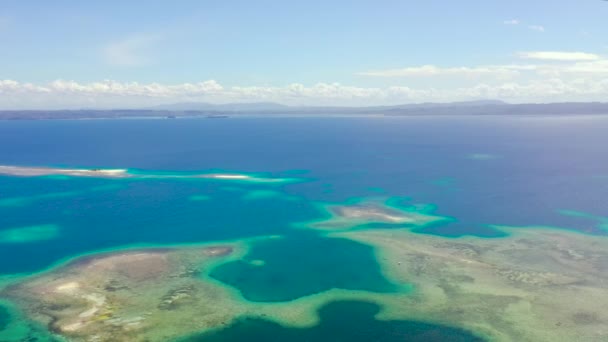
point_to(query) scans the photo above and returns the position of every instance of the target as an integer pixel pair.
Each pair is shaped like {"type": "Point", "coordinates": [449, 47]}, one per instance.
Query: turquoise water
{"type": "Point", "coordinates": [5, 318]}
{"type": "Point", "coordinates": [531, 173]}
{"type": "Point", "coordinates": [128, 212]}
{"type": "Point", "coordinates": [15, 328]}
{"type": "Point", "coordinates": [345, 321]}
{"type": "Point", "coordinates": [285, 269]}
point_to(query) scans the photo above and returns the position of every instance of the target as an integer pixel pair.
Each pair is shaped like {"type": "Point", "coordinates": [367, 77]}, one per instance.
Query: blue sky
{"type": "Point", "coordinates": [136, 53]}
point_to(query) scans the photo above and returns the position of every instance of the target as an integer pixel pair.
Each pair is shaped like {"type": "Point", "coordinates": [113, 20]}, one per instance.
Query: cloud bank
{"type": "Point", "coordinates": [545, 76]}
{"type": "Point", "coordinates": [559, 56]}
{"type": "Point", "coordinates": [111, 94]}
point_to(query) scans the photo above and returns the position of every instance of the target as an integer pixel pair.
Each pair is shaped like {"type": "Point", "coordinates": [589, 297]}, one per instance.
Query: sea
{"type": "Point", "coordinates": [480, 171]}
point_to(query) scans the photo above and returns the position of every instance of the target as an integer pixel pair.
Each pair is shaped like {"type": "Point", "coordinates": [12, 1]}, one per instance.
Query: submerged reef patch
{"type": "Point", "coordinates": [138, 295]}
{"type": "Point", "coordinates": [536, 284]}
{"type": "Point", "coordinates": [254, 195]}
{"type": "Point", "coordinates": [29, 234]}
{"type": "Point", "coordinates": [199, 198]}
{"type": "Point", "coordinates": [15, 328]}
{"type": "Point", "coordinates": [601, 222]}
{"type": "Point", "coordinates": [339, 321]}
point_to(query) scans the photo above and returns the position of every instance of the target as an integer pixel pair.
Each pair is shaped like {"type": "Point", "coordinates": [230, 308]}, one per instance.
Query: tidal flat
{"type": "Point", "coordinates": [537, 284]}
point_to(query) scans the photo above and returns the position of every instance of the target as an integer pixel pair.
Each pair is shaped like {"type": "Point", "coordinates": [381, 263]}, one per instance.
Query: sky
{"type": "Point", "coordinates": [132, 54]}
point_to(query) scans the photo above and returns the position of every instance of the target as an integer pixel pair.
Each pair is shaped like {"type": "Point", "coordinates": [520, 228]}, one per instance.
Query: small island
{"type": "Point", "coordinates": [363, 212]}
{"type": "Point", "coordinates": [136, 295]}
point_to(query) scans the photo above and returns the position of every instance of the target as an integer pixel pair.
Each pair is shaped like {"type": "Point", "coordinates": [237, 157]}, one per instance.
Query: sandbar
{"type": "Point", "coordinates": [25, 171]}
{"type": "Point", "coordinates": [47, 171]}
{"type": "Point", "coordinates": [359, 213]}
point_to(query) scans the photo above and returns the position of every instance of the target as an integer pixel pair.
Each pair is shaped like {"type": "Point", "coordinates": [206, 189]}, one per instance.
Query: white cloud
{"type": "Point", "coordinates": [538, 28]}
{"type": "Point", "coordinates": [511, 22]}
{"type": "Point", "coordinates": [595, 67]}
{"type": "Point", "coordinates": [112, 94]}
{"type": "Point", "coordinates": [503, 71]}
{"type": "Point", "coordinates": [130, 51]}
{"type": "Point", "coordinates": [558, 76]}
{"type": "Point", "coordinates": [559, 56]}
{"type": "Point", "coordinates": [549, 64]}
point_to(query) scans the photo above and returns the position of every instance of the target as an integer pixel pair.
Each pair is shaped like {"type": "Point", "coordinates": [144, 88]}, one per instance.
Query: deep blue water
{"type": "Point", "coordinates": [478, 171]}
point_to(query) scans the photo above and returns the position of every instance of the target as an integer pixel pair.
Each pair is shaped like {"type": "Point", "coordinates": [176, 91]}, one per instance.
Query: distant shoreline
{"type": "Point", "coordinates": [430, 109]}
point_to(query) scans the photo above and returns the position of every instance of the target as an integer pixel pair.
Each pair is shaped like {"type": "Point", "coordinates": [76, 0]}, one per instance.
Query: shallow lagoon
{"type": "Point", "coordinates": [284, 269]}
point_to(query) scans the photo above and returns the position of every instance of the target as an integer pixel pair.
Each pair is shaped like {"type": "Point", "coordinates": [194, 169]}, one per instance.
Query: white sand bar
{"type": "Point", "coordinates": [47, 171]}
{"type": "Point", "coordinates": [25, 171]}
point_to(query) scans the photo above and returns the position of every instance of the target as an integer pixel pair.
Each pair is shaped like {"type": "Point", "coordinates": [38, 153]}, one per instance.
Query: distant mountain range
{"type": "Point", "coordinates": [227, 107]}
{"type": "Point", "coordinates": [276, 107]}
{"type": "Point", "coordinates": [198, 109]}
